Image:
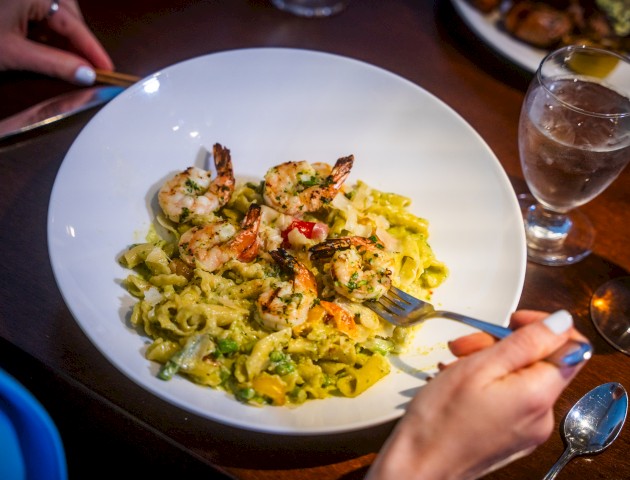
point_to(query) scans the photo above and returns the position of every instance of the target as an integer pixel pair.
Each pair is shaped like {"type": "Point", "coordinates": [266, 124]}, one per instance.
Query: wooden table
{"type": "Point", "coordinates": [105, 419]}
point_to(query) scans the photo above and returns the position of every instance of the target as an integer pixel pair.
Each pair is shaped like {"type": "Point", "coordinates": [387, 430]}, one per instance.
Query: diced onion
{"type": "Point", "coordinates": [391, 243]}
{"type": "Point", "coordinates": [152, 296]}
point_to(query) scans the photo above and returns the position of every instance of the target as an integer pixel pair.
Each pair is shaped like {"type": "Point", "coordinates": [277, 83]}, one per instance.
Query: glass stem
{"type": "Point", "coordinates": [547, 228]}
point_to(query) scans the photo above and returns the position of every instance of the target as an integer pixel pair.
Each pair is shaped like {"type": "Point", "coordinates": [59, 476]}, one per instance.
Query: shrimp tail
{"type": "Point", "coordinates": [246, 244]}
{"type": "Point", "coordinates": [314, 198]}
{"type": "Point", "coordinates": [327, 248]}
{"type": "Point", "coordinates": [223, 186]}
{"type": "Point", "coordinates": [301, 275]}
{"type": "Point", "coordinates": [340, 172]}
{"type": "Point", "coordinates": [287, 261]}
{"type": "Point", "coordinates": [343, 320]}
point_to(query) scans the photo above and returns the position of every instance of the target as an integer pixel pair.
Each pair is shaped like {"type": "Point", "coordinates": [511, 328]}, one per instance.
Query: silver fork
{"type": "Point", "coordinates": [402, 309]}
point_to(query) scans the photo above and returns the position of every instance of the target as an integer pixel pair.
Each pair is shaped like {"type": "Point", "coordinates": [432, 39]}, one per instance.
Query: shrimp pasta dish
{"type": "Point", "coordinates": [261, 289]}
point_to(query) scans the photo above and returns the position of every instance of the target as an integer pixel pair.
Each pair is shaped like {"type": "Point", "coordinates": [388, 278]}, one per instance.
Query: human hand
{"type": "Point", "coordinates": [20, 53]}
{"type": "Point", "coordinates": [492, 405]}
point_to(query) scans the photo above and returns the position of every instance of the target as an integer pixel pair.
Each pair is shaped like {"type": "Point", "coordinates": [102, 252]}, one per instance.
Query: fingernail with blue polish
{"type": "Point", "coordinates": [85, 75]}
{"type": "Point", "coordinates": [559, 322]}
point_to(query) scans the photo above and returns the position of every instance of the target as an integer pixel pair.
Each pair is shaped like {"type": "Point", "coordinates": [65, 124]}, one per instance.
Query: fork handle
{"type": "Point", "coordinates": [568, 355]}
{"type": "Point", "coordinates": [496, 331]}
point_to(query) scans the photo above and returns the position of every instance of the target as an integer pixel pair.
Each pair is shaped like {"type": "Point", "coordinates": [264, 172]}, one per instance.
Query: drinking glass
{"type": "Point", "coordinates": [574, 140]}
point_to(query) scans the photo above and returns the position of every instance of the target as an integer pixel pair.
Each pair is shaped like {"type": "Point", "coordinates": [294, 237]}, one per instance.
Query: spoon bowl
{"type": "Point", "coordinates": [593, 423]}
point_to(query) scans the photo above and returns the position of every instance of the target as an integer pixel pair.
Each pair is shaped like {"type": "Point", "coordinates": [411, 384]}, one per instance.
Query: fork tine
{"type": "Point", "coordinates": [383, 312]}
{"type": "Point", "coordinates": [392, 305]}
{"type": "Point", "coordinates": [409, 299]}
{"type": "Point", "coordinates": [398, 301]}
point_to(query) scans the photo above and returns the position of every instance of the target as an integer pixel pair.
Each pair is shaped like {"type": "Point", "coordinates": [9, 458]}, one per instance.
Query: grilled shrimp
{"type": "Point", "coordinates": [360, 268]}
{"type": "Point", "coordinates": [287, 304]}
{"type": "Point", "coordinates": [192, 192]}
{"type": "Point", "coordinates": [295, 188]}
{"type": "Point", "coordinates": [212, 245]}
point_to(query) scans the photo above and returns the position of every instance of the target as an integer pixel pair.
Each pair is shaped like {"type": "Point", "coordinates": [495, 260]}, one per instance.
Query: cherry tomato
{"type": "Point", "coordinates": [305, 228]}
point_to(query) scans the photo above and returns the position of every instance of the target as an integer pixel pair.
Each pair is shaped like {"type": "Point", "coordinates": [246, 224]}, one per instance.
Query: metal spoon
{"type": "Point", "coordinates": [593, 423]}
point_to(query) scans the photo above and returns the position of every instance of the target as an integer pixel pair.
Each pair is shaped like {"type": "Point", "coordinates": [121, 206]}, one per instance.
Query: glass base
{"type": "Point", "coordinates": [311, 8]}
{"type": "Point", "coordinates": [561, 241]}
{"type": "Point", "coordinates": [610, 312]}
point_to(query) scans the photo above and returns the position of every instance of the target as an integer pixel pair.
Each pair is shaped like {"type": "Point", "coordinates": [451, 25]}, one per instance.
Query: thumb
{"type": "Point", "coordinates": [35, 57]}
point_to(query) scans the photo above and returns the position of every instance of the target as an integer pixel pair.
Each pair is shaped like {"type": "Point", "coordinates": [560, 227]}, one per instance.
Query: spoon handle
{"type": "Point", "coordinates": [566, 456]}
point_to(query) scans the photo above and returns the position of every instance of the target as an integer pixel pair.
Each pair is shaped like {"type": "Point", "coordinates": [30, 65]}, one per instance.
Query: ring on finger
{"type": "Point", "coordinates": [54, 8]}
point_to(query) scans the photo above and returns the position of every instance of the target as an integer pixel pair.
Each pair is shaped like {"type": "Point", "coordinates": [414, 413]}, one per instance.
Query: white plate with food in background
{"type": "Point", "coordinates": [486, 27]}
{"type": "Point", "coordinates": [268, 106]}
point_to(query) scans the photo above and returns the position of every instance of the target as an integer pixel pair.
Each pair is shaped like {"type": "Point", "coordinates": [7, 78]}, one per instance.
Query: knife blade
{"type": "Point", "coordinates": [56, 108]}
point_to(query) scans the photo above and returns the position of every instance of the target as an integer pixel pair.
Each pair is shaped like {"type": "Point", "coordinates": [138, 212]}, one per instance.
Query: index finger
{"type": "Point", "coordinates": [475, 342]}
{"type": "Point", "coordinates": [529, 345]}
{"type": "Point", "coordinates": [70, 24]}
{"type": "Point", "coordinates": [469, 344]}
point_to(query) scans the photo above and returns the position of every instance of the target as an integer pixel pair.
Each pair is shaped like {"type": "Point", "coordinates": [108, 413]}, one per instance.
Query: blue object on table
{"type": "Point", "coordinates": [30, 445]}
